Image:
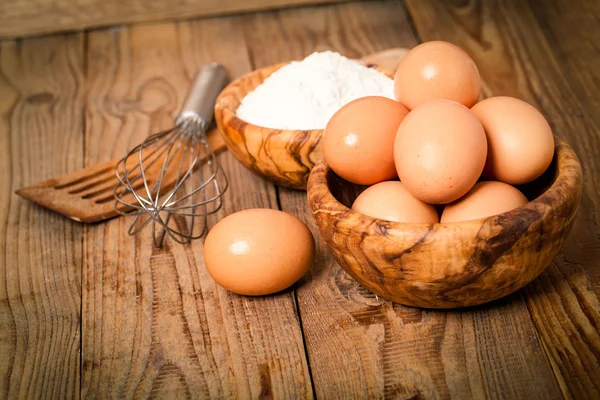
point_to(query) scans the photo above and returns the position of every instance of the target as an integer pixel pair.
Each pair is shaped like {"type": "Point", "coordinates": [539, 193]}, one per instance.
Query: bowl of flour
{"type": "Point", "coordinates": [273, 118]}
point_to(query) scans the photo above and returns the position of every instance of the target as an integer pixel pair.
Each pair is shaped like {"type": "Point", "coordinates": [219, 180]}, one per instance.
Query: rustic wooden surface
{"type": "Point", "coordinates": [35, 17]}
{"type": "Point", "coordinates": [41, 103]}
{"type": "Point", "coordinates": [91, 312]}
{"type": "Point", "coordinates": [154, 323]}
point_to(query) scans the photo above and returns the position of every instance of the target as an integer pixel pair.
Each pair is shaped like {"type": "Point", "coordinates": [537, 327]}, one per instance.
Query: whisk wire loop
{"type": "Point", "coordinates": [173, 179]}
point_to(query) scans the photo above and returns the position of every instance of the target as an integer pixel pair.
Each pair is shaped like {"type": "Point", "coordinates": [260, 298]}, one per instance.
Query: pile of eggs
{"type": "Point", "coordinates": [445, 146]}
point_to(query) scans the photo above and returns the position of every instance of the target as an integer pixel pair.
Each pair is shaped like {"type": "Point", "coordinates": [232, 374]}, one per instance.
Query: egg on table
{"type": "Point", "coordinates": [358, 139]}
{"type": "Point", "coordinates": [436, 70]}
{"type": "Point", "coordinates": [440, 151]}
{"type": "Point", "coordinates": [258, 251]}
{"type": "Point", "coordinates": [520, 140]}
{"type": "Point", "coordinates": [391, 201]}
{"type": "Point", "coordinates": [485, 199]}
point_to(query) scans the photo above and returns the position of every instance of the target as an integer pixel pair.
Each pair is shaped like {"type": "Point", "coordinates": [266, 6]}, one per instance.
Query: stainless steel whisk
{"type": "Point", "coordinates": [172, 178]}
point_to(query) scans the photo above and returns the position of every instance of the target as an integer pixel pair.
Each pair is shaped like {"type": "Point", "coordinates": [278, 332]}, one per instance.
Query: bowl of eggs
{"type": "Point", "coordinates": [283, 156]}
{"type": "Point", "coordinates": [437, 199]}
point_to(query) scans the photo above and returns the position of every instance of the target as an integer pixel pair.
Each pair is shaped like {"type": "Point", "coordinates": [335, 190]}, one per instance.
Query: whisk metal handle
{"type": "Point", "coordinates": [207, 85]}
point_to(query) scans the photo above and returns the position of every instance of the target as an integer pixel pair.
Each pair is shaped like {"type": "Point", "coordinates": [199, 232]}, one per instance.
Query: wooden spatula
{"type": "Point", "coordinates": [86, 195]}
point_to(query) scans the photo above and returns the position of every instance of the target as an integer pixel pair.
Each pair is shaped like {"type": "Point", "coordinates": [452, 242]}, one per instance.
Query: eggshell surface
{"type": "Point", "coordinates": [485, 199]}
{"type": "Point", "coordinates": [520, 140]}
{"type": "Point", "coordinates": [258, 251]}
{"type": "Point", "coordinates": [440, 151]}
{"type": "Point", "coordinates": [358, 140]}
{"type": "Point", "coordinates": [391, 201]}
{"type": "Point", "coordinates": [437, 70]}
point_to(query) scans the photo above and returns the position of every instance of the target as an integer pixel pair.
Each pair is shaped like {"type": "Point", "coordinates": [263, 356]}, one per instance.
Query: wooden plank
{"type": "Point", "coordinates": [33, 17]}
{"type": "Point", "coordinates": [40, 294]}
{"type": "Point", "coordinates": [547, 54]}
{"type": "Point", "coordinates": [154, 322]}
{"type": "Point", "coordinates": [357, 343]}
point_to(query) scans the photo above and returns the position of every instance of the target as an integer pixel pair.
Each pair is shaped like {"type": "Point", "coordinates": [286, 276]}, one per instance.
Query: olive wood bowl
{"type": "Point", "coordinates": [453, 264]}
{"type": "Point", "coordinates": [282, 156]}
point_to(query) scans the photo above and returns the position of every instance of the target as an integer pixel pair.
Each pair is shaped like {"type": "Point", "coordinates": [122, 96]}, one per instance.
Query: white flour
{"type": "Point", "coordinates": [305, 94]}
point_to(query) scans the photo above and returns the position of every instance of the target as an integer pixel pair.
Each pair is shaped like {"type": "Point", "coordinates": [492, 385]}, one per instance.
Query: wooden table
{"type": "Point", "coordinates": [87, 311]}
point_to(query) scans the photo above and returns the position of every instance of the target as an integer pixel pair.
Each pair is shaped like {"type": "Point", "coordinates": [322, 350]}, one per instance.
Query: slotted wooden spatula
{"type": "Point", "coordinates": [86, 195]}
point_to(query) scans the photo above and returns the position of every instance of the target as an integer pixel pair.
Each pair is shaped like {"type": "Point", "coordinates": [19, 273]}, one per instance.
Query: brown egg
{"type": "Point", "coordinates": [258, 251]}
{"type": "Point", "coordinates": [485, 199]}
{"type": "Point", "coordinates": [358, 140]}
{"type": "Point", "coordinates": [440, 151]}
{"type": "Point", "coordinates": [437, 70]}
{"type": "Point", "coordinates": [520, 140]}
{"type": "Point", "coordinates": [391, 201]}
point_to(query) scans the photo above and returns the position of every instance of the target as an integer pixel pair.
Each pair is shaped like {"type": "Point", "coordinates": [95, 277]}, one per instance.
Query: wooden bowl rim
{"type": "Point", "coordinates": [228, 110]}
{"type": "Point", "coordinates": [569, 174]}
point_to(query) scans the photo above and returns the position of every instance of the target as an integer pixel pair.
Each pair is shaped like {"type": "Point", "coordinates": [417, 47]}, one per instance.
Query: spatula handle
{"type": "Point", "coordinates": [207, 85]}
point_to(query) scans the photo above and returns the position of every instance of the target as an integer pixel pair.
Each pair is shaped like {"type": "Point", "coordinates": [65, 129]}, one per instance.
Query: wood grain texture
{"type": "Point", "coordinates": [282, 156]}
{"type": "Point", "coordinates": [449, 265]}
{"type": "Point", "coordinates": [40, 294]}
{"type": "Point", "coordinates": [285, 157]}
{"type": "Point", "coordinates": [155, 324]}
{"type": "Point", "coordinates": [357, 342]}
{"type": "Point", "coordinates": [547, 54]}
{"type": "Point", "coordinates": [34, 17]}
